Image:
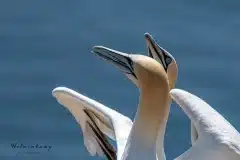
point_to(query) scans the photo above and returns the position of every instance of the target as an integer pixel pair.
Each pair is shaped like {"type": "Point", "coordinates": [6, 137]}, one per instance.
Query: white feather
{"type": "Point", "coordinates": [110, 122]}
{"type": "Point", "coordinates": [217, 138]}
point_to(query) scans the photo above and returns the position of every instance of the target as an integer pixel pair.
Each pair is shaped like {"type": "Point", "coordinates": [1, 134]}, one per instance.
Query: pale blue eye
{"type": "Point", "coordinates": [168, 60]}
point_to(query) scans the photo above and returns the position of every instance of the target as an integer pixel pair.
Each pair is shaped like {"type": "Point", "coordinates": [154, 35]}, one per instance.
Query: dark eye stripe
{"type": "Point", "coordinates": [131, 66]}
{"type": "Point", "coordinates": [161, 59]}
{"type": "Point", "coordinates": [166, 58]}
{"type": "Point", "coordinates": [150, 53]}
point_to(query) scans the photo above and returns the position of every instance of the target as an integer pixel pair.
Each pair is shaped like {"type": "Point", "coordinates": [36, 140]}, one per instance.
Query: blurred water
{"type": "Point", "coordinates": [47, 43]}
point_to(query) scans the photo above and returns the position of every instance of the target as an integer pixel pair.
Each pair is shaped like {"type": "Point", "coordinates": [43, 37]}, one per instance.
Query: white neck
{"type": "Point", "coordinates": [149, 124]}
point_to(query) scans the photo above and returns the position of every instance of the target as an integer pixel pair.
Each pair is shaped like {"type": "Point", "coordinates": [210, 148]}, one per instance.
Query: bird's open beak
{"type": "Point", "coordinates": [157, 52]}
{"type": "Point", "coordinates": [121, 60]}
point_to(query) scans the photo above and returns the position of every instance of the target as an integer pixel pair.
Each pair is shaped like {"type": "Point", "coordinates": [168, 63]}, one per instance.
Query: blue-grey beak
{"type": "Point", "coordinates": [157, 52]}
{"type": "Point", "coordinates": [121, 60]}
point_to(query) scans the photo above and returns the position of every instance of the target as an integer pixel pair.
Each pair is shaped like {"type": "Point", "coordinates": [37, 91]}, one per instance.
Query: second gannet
{"type": "Point", "coordinates": [152, 113]}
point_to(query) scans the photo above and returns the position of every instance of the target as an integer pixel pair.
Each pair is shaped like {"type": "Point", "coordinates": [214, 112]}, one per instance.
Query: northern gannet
{"type": "Point", "coordinates": [152, 113]}
{"type": "Point", "coordinates": [103, 117]}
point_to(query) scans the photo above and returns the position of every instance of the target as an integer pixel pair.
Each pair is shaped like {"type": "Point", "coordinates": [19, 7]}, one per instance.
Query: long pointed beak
{"type": "Point", "coordinates": [157, 52]}
{"type": "Point", "coordinates": [121, 60]}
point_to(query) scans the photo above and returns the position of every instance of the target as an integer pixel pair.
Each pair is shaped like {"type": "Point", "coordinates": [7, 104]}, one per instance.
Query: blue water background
{"type": "Point", "coordinates": [47, 43]}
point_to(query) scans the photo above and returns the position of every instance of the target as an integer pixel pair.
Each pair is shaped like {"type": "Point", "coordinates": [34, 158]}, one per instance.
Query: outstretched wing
{"type": "Point", "coordinates": [96, 121]}
{"type": "Point", "coordinates": [214, 137]}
